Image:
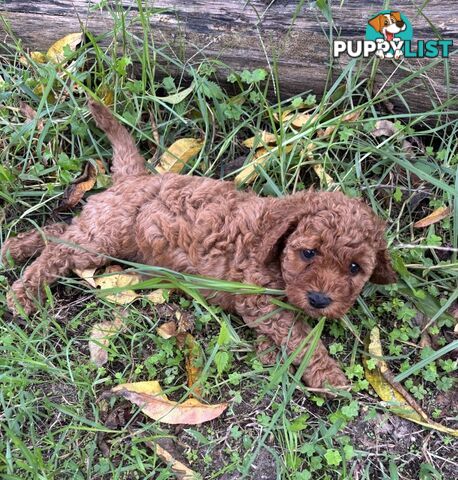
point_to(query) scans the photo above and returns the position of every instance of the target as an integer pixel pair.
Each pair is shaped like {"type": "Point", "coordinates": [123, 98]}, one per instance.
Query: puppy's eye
{"type": "Point", "coordinates": [386, 23]}
{"type": "Point", "coordinates": [308, 254]}
{"type": "Point", "coordinates": [354, 268]}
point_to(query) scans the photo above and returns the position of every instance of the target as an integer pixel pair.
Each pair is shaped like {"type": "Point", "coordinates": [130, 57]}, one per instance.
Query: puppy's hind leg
{"type": "Point", "coordinates": [56, 260]}
{"type": "Point", "coordinates": [126, 157]}
{"type": "Point", "coordinates": [29, 244]}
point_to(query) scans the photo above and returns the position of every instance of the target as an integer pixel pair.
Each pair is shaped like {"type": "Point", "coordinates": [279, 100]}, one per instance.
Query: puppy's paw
{"type": "Point", "coordinates": [329, 376]}
{"type": "Point", "coordinates": [20, 295]}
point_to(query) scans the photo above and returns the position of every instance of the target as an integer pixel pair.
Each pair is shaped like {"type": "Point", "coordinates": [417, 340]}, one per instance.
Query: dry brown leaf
{"type": "Point", "coordinates": [179, 154]}
{"type": "Point", "coordinates": [100, 338]}
{"type": "Point", "coordinates": [326, 132]}
{"type": "Point", "coordinates": [352, 116]}
{"type": "Point", "coordinates": [400, 402]}
{"type": "Point", "coordinates": [185, 321]}
{"type": "Point", "coordinates": [438, 215]}
{"type": "Point", "coordinates": [260, 139]}
{"type": "Point", "coordinates": [181, 471]}
{"type": "Point", "coordinates": [248, 174]}
{"type": "Point", "coordinates": [167, 330]}
{"type": "Point", "coordinates": [82, 184]}
{"type": "Point", "coordinates": [56, 52]}
{"type": "Point", "coordinates": [194, 363]}
{"type": "Point", "coordinates": [30, 114]}
{"type": "Point", "coordinates": [383, 128]}
{"type": "Point", "coordinates": [155, 404]}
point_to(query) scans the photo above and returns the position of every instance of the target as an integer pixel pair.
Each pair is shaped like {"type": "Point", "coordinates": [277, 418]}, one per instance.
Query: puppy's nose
{"type": "Point", "coordinates": [400, 23]}
{"type": "Point", "coordinates": [318, 299]}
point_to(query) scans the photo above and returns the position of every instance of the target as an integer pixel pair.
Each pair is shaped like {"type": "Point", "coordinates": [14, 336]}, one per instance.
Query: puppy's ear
{"type": "Point", "coordinates": [383, 273]}
{"type": "Point", "coordinates": [275, 238]}
{"type": "Point", "coordinates": [396, 15]}
{"type": "Point", "coordinates": [377, 23]}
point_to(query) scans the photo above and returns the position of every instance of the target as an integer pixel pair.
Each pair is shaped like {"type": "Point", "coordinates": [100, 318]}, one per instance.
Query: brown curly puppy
{"type": "Point", "coordinates": [321, 247]}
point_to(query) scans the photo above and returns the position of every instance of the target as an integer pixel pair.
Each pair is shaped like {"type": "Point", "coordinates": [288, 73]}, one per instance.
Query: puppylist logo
{"type": "Point", "coordinates": [389, 34]}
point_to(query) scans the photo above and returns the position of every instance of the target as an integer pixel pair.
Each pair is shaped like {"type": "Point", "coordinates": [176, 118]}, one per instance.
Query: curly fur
{"type": "Point", "coordinates": [206, 227]}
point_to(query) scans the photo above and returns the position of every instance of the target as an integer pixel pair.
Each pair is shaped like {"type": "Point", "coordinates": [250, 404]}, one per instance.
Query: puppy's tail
{"type": "Point", "coordinates": [126, 157]}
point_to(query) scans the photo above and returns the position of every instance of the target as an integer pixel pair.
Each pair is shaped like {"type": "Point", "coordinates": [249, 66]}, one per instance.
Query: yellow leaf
{"type": "Point", "coordinates": [248, 174]}
{"type": "Point", "coordinates": [260, 139]}
{"type": "Point", "coordinates": [155, 404]}
{"type": "Point", "coordinates": [39, 90]}
{"type": "Point", "coordinates": [297, 119]}
{"type": "Point", "coordinates": [100, 337]}
{"type": "Point", "coordinates": [438, 215]}
{"type": "Point", "coordinates": [38, 57]}
{"type": "Point", "coordinates": [157, 297]}
{"type": "Point", "coordinates": [56, 52]}
{"type": "Point", "coordinates": [182, 472]}
{"type": "Point", "coordinates": [398, 399]}
{"type": "Point", "coordinates": [179, 154]}
{"type": "Point", "coordinates": [106, 94]}
{"type": "Point", "coordinates": [121, 281]}
{"type": "Point", "coordinates": [87, 275]}
{"type": "Point", "coordinates": [323, 176]}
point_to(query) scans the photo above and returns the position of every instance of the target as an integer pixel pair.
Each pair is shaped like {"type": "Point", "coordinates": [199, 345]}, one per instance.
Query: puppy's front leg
{"type": "Point", "coordinates": [285, 330]}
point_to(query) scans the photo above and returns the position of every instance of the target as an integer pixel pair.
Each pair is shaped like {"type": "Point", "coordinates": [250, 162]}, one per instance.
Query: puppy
{"type": "Point", "coordinates": [320, 247]}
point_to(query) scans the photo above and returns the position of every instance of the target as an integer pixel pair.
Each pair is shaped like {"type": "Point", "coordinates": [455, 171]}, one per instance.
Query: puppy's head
{"type": "Point", "coordinates": [327, 249]}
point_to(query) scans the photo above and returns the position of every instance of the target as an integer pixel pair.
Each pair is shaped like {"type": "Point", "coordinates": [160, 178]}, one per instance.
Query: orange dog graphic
{"type": "Point", "coordinates": [388, 24]}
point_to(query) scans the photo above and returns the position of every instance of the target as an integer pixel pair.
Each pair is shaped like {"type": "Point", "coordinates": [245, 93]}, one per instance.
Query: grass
{"type": "Point", "coordinates": [53, 422]}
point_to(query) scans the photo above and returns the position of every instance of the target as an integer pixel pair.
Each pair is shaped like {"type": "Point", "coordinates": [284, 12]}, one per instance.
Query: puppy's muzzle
{"type": "Point", "coordinates": [318, 299]}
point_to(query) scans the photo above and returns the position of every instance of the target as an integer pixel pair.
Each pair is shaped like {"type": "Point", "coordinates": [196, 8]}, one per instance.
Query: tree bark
{"type": "Point", "coordinates": [287, 35]}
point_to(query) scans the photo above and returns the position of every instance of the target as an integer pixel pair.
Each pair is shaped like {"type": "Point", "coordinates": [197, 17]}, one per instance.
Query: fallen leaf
{"type": "Point", "coordinates": [157, 297]}
{"type": "Point", "coordinates": [167, 330]}
{"type": "Point", "coordinates": [297, 119]}
{"type": "Point", "coordinates": [194, 363]}
{"type": "Point", "coordinates": [115, 277]}
{"type": "Point", "coordinates": [322, 175]}
{"type": "Point", "coordinates": [260, 139]}
{"type": "Point", "coordinates": [100, 338]}
{"type": "Point", "coordinates": [87, 275]}
{"type": "Point", "coordinates": [106, 94]}
{"type": "Point", "coordinates": [82, 184]}
{"type": "Point", "coordinates": [261, 157]}
{"type": "Point", "coordinates": [438, 215]}
{"type": "Point", "coordinates": [56, 52]}
{"type": "Point", "coordinates": [30, 114]}
{"type": "Point", "coordinates": [179, 154]}
{"type": "Point", "coordinates": [185, 321]}
{"type": "Point", "coordinates": [400, 402]}
{"type": "Point", "coordinates": [155, 404]}
{"type": "Point", "coordinates": [301, 119]}
{"type": "Point", "coordinates": [38, 57]}
{"type": "Point", "coordinates": [326, 132]}
{"type": "Point", "coordinates": [181, 471]}
{"type": "Point", "coordinates": [177, 97]}
{"type": "Point", "coordinates": [192, 351]}
{"type": "Point", "coordinates": [383, 128]}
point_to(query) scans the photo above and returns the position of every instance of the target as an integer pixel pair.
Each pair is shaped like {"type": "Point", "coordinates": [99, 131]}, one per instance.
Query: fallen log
{"type": "Point", "coordinates": [290, 36]}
